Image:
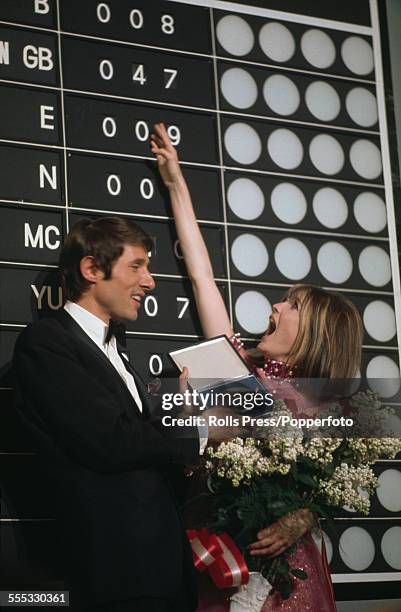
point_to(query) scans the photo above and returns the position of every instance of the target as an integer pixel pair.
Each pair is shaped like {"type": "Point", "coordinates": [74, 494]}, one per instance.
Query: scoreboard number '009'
{"type": "Point", "coordinates": [141, 130]}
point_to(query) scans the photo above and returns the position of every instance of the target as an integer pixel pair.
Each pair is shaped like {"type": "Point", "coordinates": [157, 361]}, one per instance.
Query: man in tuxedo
{"type": "Point", "coordinates": [88, 413]}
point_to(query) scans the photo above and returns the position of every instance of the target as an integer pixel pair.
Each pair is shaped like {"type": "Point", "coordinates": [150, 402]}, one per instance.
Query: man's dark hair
{"type": "Point", "coordinates": [103, 239]}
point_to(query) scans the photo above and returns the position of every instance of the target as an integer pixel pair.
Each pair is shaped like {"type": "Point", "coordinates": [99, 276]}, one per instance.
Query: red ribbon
{"type": "Point", "coordinates": [220, 556]}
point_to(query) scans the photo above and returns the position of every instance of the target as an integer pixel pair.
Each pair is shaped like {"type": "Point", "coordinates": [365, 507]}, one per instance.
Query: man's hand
{"type": "Point", "coordinates": [224, 424]}
{"type": "Point", "coordinates": [282, 534]}
{"type": "Point", "coordinates": [166, 155]}
{"type": "Point", "coordinates": [227, 429]}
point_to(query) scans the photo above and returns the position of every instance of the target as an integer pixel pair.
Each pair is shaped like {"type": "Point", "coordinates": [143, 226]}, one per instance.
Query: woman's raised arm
{"type": "Point", "coordinates": [210, 305]}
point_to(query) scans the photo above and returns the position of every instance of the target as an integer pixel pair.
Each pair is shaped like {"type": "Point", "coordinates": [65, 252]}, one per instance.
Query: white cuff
{"type": "Point", "coordinates": [203, 431]}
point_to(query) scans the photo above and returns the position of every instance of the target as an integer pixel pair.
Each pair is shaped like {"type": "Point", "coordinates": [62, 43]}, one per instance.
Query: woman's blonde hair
{"type": "Point", "coordinates": [329, 341]}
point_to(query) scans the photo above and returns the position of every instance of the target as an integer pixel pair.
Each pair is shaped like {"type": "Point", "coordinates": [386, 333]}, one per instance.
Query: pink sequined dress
{"type": "Point", "coordinates": [315, 594]}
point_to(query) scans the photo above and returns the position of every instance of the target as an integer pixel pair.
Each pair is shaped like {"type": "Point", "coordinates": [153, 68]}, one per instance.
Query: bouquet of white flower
{"type": "Point", "coordinates": [255, 481]}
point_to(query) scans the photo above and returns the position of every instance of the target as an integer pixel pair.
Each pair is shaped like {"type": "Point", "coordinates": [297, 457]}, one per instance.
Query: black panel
{"type": "Point", "coordinates": [150, 27]}
{"type": "Point", "coordinates": [305, 167]}
{"type": "Point", "coordinates": [297, 60]}
{"type": "Point", "coordinates": [376, 530]}
{"type": "Point", "coordinates": [166, 256]}
{"type": "Point", "coordinates": [13, 437]}
{"type": "Point", "coordinates": [8, 338]}
{"type": "Point", "coordinates": [27, 294]}
{"type": "Point", "coordinates": [301, 82]}
{"type": "Point", "coordinates": [31, 555]}
{"type": "Point", "coordinates": [309, 189]}
{"type": "Point", "coordinates": [33, 500]}
{"type": "Point", "coordinates": [356, 11]}
{"type": "Point", "coordinates": [33, 236]}
{"type": "Point", "coordinates": [313, 243]}
{"type": "Point", "coordinates": [88, 123]}
{"type": "Point", "coordinates": [142, 191]}
{"type": "Point", "coordinates": [33, 12]}
{"type": "Point", "coordinates": [29, 115]}
{"type": "Point", "coordinates": [31, 56]}
{"type": "Point", "coordinates": [150, 355]}
{"type": "Point", "coordinates": [33, 175]}
{"type": "Point", "coordinates": [138, 73]}
{"type": "Point", "coordinates": [171, 307]}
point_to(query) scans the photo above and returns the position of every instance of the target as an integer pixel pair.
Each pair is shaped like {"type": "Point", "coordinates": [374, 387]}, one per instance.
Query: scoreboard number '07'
{"type": "Point", "coordinates": [151, 306]}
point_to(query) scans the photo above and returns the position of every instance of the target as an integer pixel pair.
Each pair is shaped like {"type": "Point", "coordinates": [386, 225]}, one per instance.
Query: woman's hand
{"type": "Point", "coordinates": [166, 155]}
{"type": "Point", "coordinates": [282, 534]}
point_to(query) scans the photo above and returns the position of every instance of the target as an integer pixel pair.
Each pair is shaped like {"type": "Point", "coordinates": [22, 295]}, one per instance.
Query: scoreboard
{"type": "Point", "coordinates": [278, 112]}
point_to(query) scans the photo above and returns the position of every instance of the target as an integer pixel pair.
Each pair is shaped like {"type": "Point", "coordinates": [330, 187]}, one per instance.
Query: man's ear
{"type": "Point", "coordinates": [89, 269]}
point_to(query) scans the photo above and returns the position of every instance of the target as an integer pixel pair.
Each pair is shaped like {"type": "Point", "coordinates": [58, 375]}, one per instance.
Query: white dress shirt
{"type": "Point", "coordinates": [97, 330]}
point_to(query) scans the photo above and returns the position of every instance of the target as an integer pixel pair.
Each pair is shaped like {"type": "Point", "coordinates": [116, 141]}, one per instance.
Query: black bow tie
{"type": "Point", "coordinates": [116, 329]}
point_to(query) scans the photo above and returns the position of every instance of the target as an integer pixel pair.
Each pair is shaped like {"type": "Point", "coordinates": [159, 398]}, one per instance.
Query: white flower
{"type": "Point", "coordinates": [369, 450]}
{"type": "Point", "coordinates": [321, 449]}
{"type": "Point", "coordinates": [237, 460]}
{"type": "Point", "coordinates": [346, 484]}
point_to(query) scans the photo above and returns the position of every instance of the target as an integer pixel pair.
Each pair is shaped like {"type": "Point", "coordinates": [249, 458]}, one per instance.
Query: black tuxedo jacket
{"type": "Point", "coordinates": [105, 461]}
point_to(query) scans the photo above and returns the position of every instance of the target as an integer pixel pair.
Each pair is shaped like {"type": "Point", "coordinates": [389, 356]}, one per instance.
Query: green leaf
{"type": "Point", "coordinates": [282, 568]}
{"type": "Point", "coordinates": [285, 587]}
{"type": "Point", "coordinates": [308, 480]}
{"type": "Point", "coordinates": [298, 573]}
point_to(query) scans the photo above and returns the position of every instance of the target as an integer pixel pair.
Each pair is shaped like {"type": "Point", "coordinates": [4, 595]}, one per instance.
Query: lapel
{"type": "Point", "coordinates": [140, 384]}
{"type": "Point", "coordinates": [72, 326]}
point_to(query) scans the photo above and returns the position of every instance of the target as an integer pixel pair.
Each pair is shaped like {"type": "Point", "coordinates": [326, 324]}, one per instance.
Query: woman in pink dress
{"type": "Point", "coordinates": [312, 333]}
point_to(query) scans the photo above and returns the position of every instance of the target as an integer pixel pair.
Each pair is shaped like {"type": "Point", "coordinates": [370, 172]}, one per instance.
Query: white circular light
{"type": "Point", "coordinates": [249, 255]}
{"type": "Point", "coordinates": [235, 35]}
{"type": "Point", "coordinates": [242, 142]}
{"type": "Point", "coordinates": [393, 425]}
{"type": "Point", "coordinates": [292, 258]}
{"type": "Point", "coordinates": [391, 547]}
{"type": "Point", "coordinates": [322, 100]}
{"type": "Point", "coordinates": [389, 490]}
{"type": "Point", "coordinates": [285, 148]}
{"type": "Point", "coordinates": [379, 321]}
{"type": "Point", "coordinates": [318, 49]}
{"type": "Point", "coordinates": [383, 376]}
{"type": "Point", "coordinates": [374, 266]}
{"type": "Point", "coordinates": [370, 212]}
{"type": "Point", "coordinates": [361, 106]}
{"type": "Point", "coordinates": [239, 88]}
{"type": "Point", "coordinates": [366, 159]}
{"type": "Point", "coordinates": [252, 310]}
{"type": "Point", "coordinates": [334, 262]}
{"type": "Point", "coordinates": [330, 207]}
{"type": "Point", "coordinates": [356, 548]}
{"type": "Point", "coordinates": [281, 94]}
{"type": "Point", "coordinates": [277, 42]}
{"type": "Point", "coordinates": [326, 154]}
{"type": "Point", "coordinates": [288, 203]}
{"type": "Point", "coordinates": [357, 55]}
{"type": "Point", "coordinates": [246, 199]}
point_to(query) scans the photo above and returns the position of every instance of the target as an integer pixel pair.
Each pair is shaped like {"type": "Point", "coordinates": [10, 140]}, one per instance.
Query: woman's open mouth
{"type": "Point", "coordinates": [272, 326]}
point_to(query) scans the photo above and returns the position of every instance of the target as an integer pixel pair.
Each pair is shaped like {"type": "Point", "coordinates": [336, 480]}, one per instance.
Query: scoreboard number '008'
{"type": "Point", "coordinates": [136, 18]}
